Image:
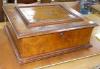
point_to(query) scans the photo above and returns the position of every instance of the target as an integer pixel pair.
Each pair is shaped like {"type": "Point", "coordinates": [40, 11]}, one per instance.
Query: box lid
{"type": "Point", "coordinates": [46, 14]}
{"type": "Point", "coordinates": [72, 20]}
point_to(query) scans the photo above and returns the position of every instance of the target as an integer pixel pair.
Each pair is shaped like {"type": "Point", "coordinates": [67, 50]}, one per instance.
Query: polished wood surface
{"type": "Point", "coordinates": [46, 43]}
{"type": "Point", "coordinates": [47, 14]}
{"type": "Point", "coordinates": [22, 30]}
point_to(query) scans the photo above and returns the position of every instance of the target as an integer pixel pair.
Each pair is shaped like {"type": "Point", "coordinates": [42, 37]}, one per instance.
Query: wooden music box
{"type": "Point", "coordinates": [45, 30]}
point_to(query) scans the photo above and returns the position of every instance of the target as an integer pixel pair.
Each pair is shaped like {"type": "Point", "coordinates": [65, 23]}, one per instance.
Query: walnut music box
{"type": "Point", "coordinates": [44, 30]}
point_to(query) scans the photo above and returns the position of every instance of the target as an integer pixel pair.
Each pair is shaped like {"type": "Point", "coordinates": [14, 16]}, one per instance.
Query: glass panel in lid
{"type": "Point", "coordinates": [41, 15]}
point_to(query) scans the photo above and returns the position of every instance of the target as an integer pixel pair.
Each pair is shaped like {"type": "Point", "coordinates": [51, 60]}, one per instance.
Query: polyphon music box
{"type": "Point", "coordinates": [39, 31]}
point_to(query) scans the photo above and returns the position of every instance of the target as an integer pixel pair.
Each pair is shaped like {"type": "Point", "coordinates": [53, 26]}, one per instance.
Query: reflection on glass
{"type": "Point", "coordinates": [47, 14]}
{"type": "Point", "coordinates": [29, 13]}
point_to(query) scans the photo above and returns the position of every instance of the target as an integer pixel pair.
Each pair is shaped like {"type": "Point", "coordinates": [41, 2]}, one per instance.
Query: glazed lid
{"type": "Point", "coordinates": [44, 25]}
{"type": "Point", "coordinates": [46, 14]}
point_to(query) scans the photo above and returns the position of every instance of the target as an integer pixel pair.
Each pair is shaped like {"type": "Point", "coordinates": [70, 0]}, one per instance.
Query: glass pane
{"type": "Point", "coordinates": [47, 14]}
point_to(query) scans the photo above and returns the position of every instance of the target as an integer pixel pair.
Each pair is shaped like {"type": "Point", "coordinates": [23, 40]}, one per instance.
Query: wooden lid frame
{"type": "Point", "coordinates": [39, 15]}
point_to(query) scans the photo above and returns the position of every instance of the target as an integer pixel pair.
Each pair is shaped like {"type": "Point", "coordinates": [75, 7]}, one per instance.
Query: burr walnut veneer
{"type": "Point", "coordinates": [42, 41]}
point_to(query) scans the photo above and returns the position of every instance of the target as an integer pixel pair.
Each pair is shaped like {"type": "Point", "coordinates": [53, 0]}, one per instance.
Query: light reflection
{"type": "Point", "coordinates": [29, 13]}
{"type": "Point", "coordinates": [97, 36]}
{"type": "Point", "coordinates": [91, 22]}
{"type": "Point", "coordinates": [72, 16]}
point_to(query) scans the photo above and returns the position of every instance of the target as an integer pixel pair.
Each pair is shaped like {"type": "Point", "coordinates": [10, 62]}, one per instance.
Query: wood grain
{"type": "Point", "coordinates": [36, 45]}
{"type": "Point", "coordinates": [22, 30]}
{"type": "Point", "coordinates": [47, 14]}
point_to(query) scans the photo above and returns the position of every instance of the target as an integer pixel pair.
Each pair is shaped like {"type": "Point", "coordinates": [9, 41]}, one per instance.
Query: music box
{"type": "Point", "coordinates": [39, 31]}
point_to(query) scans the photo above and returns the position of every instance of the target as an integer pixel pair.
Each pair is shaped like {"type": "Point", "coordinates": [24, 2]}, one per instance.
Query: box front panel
{"type": "Point", "coordinates": [37, 45]}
